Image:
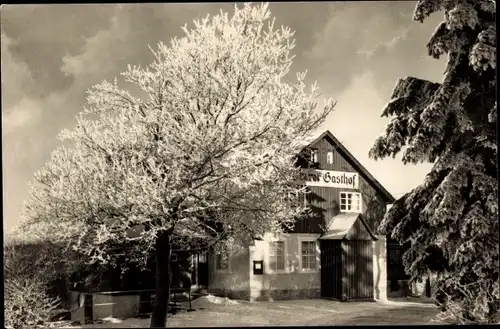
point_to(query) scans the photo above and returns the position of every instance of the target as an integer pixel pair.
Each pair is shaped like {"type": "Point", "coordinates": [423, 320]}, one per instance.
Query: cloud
{"type": "Point", "coordinates": [20, 115]}
{"type": "Point", "coordinates": [16, 75]}
{"type": "Point", "coordinates": [359, 68]}
{"type": "Point", "coordinates": [44, 33]}
{"type": "Point", "coordinates": [349, 30]}
{"type": "Point", "coordinates": [25, 117]}
{"type": "Point", "coordinates": [41, 98]}
{"type": "Point", "coordinates": [356, 122]}
{"type": "Point", "coordinates": [387, 45]}
{"type": "Point", "coordinates": [97, 57]}
{"type": "Point", "coordinates": [387, 42]}
{"type": "Point", "coordinates": [52, 54]}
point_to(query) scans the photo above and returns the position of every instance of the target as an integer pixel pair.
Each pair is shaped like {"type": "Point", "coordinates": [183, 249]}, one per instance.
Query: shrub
{"type": "Point", "coordinates": [25, 259]}
{"type": "Point", "coordinates": [37, 278]}
{"type": "Point", "coordinates": [27, 304]}
{"type": "Point", "coordinates": [51, 264]}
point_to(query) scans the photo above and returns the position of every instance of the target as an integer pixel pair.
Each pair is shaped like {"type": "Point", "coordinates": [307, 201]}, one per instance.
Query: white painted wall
{"type": "Point", "coordinates": [257, 252]}
{"type": "Point", "coordinates": [292, 278]}
{"type": "Point", "coordinates": [380, 268]}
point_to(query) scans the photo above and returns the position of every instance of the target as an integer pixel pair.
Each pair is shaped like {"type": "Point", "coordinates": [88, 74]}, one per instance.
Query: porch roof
{"type": "Point", "coordinates": [341, 224]}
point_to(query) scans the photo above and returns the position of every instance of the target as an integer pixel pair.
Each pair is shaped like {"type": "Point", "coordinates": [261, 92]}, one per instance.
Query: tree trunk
{"type": "Point", "coordinates": [162, 289]}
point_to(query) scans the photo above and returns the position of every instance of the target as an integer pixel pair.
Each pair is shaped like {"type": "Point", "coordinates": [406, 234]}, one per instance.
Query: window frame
{"type": "Point", "coordinates": [314, 155]}
{"type": "Point", "coordinates": [316, 255]}
{"type": "Point", "coordinates": [267, 267]}
{"type": "Point", "coordinates": [223, 270]}
{"type": "Point", "coordinates": [359, 211]}
{"type": "Point", "coordinates": [329, 160]}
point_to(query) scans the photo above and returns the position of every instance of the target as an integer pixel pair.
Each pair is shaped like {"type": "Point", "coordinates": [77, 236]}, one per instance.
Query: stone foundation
{"type": "Point", "coordinates": [268, 295]}
{"type": "Point", "coordinates": [275, 294]}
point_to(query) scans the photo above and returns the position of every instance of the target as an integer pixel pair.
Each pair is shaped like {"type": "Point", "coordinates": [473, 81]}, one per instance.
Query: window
{"type": "Point", "coordinates": [222, 260]}
{"type": "Point", "coordinates": [308, 255]}
{"type": "Point", "coordinates": [350, 202]}
{"type": "Point", "coordinates": [329, 157]}
{"type": "Point", "coordinates": [314, 156]}
{"type": "Point", "coordinates": [277, 256]}
{"type": "Point", "coordinates": [173, 258]}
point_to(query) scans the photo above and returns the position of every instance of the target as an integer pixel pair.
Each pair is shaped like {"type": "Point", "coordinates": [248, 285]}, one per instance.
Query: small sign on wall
{"type": "Point", "coordinates": [258, 267]}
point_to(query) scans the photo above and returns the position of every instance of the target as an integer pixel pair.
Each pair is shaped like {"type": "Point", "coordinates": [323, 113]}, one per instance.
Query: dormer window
{"type": "Point", "coordinates": [314, 155]}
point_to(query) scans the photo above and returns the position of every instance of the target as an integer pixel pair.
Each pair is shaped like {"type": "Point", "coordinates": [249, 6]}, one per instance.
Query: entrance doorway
{"type": "Point", "coordinates": [202, 275]}
{"type": "Point", "coordinates": [331, 269]}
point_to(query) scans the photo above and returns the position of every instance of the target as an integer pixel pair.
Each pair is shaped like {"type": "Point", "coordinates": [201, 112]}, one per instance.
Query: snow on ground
{"type": "Point", "coordinates": [113, 323]}
{"type": "Point", "coordinates": [112, 320]}
{"type": "Point", "coordinates": [214, 312]}
{"type": "Point", "coordinates": [220, 300]}
{"type": "Point", "coordinates": [409, 301]}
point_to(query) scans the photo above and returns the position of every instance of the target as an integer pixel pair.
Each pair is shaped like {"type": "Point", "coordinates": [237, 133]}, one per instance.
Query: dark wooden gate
{"type": "Point", "coordinates": [358, 269]}
{"type": "Point", "coordinates": [331, 269]}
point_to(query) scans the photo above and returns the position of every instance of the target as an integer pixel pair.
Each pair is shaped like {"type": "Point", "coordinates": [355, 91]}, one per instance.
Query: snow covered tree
{"type": "Point", "coordinates": [451, 219]}
{"type": "Point", "coordinates": [199, 150]}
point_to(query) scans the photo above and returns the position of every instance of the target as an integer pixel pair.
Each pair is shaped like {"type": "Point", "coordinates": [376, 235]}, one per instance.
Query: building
{"type": "Point", "coordinates": [333, 254]}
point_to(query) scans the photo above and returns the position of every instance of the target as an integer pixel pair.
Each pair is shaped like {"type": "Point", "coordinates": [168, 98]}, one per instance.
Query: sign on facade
{"type": "Point", "coordinates": [328, 178]}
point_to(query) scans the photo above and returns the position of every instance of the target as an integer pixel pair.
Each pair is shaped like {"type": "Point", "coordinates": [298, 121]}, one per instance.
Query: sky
{"type": "Point", "coordinates": [51, 54]}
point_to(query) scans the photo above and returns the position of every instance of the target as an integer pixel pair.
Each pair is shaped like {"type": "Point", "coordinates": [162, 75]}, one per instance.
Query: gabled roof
{"type": "Point", "coordinates": [355, 163]}
{"type": "Point", "coordinates": [341, 224]}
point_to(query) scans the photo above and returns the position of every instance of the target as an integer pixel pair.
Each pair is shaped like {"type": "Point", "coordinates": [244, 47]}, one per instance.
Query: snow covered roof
{"type": "Point", "coordinates": [341, 224]}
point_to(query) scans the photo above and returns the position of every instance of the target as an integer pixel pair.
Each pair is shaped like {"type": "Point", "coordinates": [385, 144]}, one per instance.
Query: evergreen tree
{"type": "Point", "coordinates": [451, 219]}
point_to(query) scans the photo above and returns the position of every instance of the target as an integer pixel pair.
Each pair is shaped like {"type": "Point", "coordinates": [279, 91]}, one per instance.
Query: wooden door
{"type": "Point", "coordinates": [331, 269]}
{"type": "Point", "coordinates": [359, 269]}
{"type": "Point", "coordinates": [202, 269]}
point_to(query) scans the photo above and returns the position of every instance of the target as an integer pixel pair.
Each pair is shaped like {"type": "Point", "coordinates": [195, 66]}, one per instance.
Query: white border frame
{"type": "Point", "coordinates": [318, 258]}
{"type": "Point", "coordinates": [267, 267]}
{"type": "Point", "coordinates": [350, 211]}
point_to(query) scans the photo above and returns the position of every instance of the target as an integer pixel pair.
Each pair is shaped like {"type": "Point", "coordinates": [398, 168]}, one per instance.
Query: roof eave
{"type": "Point", "coordinates": [373, 236]}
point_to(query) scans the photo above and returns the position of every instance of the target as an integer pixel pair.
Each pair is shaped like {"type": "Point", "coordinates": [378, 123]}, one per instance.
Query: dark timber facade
{"type": "Point", "coordinates": [334, 254]}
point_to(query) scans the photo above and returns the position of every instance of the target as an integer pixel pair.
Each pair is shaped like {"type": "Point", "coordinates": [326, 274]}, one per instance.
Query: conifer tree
{"type": "Point", "coordinates": [451, 219]}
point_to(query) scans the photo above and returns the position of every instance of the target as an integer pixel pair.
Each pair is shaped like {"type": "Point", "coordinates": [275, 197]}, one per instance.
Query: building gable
{"type": "Point", "coordinates": [343, 160]}
{"type": "Point", "coordinates": [324, 199]}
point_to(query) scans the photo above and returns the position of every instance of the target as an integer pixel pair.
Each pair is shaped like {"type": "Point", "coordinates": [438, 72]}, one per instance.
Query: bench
{"type": "Point", "coordinates": [173, 291]}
